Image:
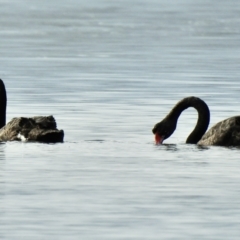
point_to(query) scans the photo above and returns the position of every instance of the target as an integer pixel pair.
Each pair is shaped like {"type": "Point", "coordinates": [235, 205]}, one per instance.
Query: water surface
{"type": "Point", "coordinates": [108, 71]}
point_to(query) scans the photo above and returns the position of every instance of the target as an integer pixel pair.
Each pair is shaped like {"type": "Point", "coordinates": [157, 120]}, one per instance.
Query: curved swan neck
{"type": "Point", "coordinates": [3, 104]}
{"type": "Point", "coordinates": [203, 116]}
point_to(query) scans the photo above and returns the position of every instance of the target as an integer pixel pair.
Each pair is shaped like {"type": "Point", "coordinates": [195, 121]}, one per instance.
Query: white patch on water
{"type": "Point", "coordinates": [22, 137]}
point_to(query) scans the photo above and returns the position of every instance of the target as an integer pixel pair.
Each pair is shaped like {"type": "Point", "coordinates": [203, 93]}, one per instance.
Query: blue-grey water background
{"type": "Point", "coordinates": [108, 71]}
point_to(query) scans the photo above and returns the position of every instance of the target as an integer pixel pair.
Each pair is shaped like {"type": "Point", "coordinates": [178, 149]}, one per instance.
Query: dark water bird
{"type": "Point", "coordinates": [224, 133]}
{"type": "Point", "coordinates": [39, 128]}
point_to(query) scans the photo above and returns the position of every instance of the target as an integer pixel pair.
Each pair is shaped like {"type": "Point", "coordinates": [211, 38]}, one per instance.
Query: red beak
{"type": "Point", "coordinates": [158, 139]}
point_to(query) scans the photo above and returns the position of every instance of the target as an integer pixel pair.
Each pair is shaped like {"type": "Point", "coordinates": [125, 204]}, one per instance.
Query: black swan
{"type": "Point", "coordinates": [41, 129]}
{"type": "Point", "coordinates": [224, 133]}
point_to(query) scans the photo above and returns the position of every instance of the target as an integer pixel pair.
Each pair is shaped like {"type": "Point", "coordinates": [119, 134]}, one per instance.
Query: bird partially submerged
{"type": "Point", "coordinates": [39, 128]}
{"type": "Point", "coordinates": [224, 133]}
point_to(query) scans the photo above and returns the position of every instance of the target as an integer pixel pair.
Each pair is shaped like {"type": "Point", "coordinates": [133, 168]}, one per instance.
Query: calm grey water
{"type": "Point", "coordinates": [108, 71]}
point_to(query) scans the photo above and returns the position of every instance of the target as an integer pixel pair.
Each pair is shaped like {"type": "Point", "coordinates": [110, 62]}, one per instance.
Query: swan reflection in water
{"type": "Point", "coordinates": [40, 128]}
{"type": "Point", "coordinates": [224, 133]}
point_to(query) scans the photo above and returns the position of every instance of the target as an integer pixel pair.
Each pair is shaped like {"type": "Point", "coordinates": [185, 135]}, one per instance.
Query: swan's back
{"type": "Point", "coordinates": [224, 133]}
{"type": "Point", "coordinates": [42, 129]}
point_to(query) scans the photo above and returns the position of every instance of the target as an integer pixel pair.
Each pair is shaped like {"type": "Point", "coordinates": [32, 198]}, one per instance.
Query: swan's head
{"type": "Point", "coordinates": [163, 130]}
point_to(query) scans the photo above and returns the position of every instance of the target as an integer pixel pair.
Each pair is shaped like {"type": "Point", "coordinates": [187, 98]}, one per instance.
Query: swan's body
{"type": "Point", "coordinates": [224, 133]}
{"type": "Point", "coordinates": [42, 129]}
